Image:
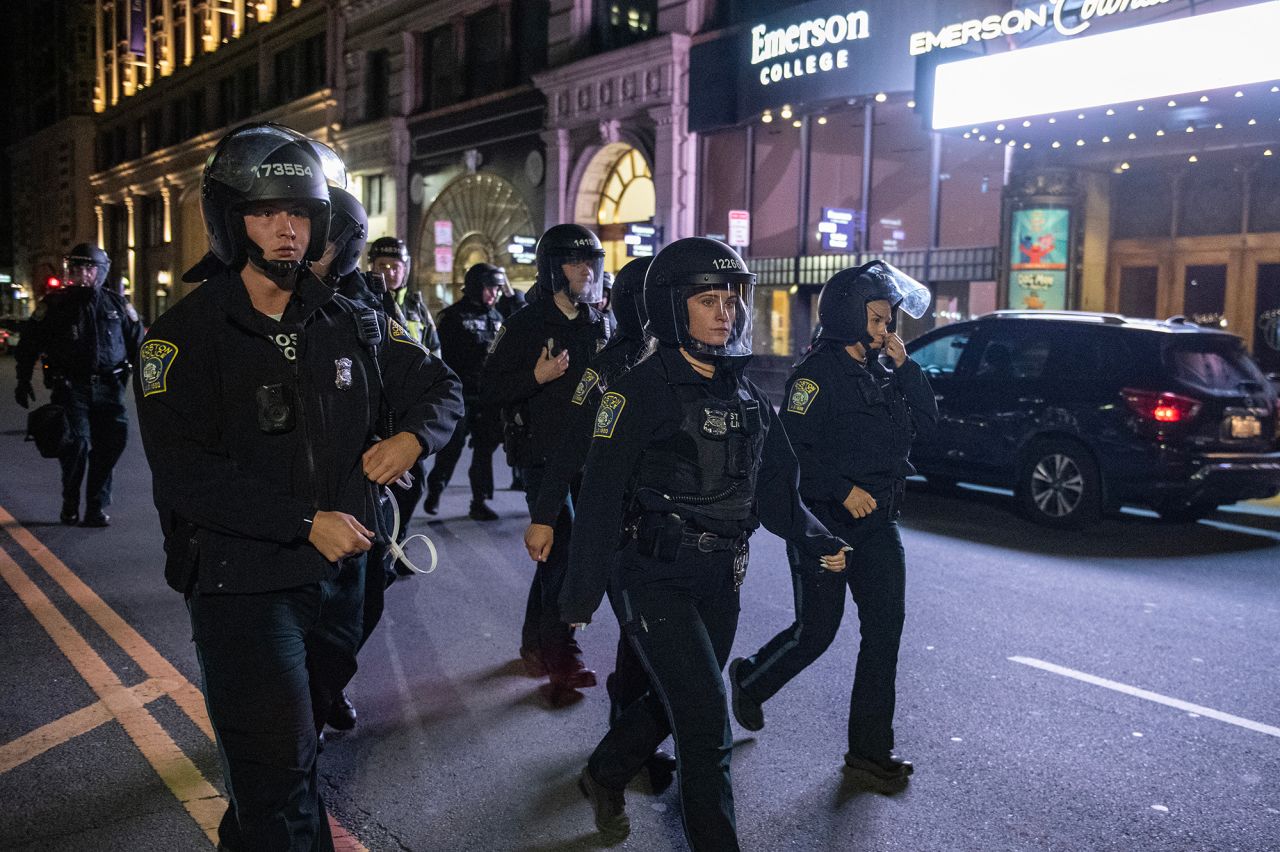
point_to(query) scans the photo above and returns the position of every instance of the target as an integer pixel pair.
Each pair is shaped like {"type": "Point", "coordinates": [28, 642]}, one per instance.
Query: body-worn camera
{"type": "Point", "coordinates": [275, 409]}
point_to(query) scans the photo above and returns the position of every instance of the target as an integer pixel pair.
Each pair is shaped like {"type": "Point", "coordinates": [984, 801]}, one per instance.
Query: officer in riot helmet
{"type": "Point", "coordinates": [467, 330]}
{"type": "Point", "coordinates": [389, 258]}
{"type": "Point", "coordinates": [687, 458]}
{"type": "Point", "coordinates": [851, 420]}
{"type": "Point", "coordinates": [258, 407]}
{"type": "Point", "coordinates": [534, 366]}
{"type": "Point", "coordinates": [87, 335]}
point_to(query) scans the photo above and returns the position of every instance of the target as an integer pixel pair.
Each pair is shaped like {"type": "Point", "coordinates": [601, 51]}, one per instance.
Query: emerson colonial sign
{"type": "Point", "coordinates": [1068, 17]}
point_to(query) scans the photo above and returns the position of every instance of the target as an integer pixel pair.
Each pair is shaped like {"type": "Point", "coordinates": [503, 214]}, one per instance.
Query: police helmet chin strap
{"type": "Point", "coordinates": [397, 548]}
{"type": "Point", "coordinates": [283, 272]}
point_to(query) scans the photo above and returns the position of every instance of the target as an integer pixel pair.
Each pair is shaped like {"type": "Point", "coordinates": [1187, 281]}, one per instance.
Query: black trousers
{"type": "Point", "coordinates": [542, 629]}
{"type": "Point", "coordinates": [99, 430]}
{"type": "Point", "coordinates": [271, 665]}
{"type": "Point", "coordinates": [480, 473]}
{"type": "Point", "coordinates": [680, 618]}
{"type": "Point", "coordinates": [876, 577]}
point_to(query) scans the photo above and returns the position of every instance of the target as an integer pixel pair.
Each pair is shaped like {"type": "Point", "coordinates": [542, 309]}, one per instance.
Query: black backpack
{"type": "Point", "coordinates": [48, 427]}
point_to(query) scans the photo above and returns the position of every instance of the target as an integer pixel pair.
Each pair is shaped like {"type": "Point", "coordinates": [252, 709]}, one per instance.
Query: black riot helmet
{"type": "Point", "coordinates": [262, 162]}
{"type": "Point", "coordinates": [562, 244]}
{"type": "Point", "coordinates": [392, 247]}
{"type": "Point", "coordinates": [627, 300]}
{"type": "Point", "coordinates": [842, 304]}
{"type": "Point", "coordinates": [687, 268]}
{"type": "Point", "coordinates": [87, 254]}
{"type": "Point", "coordinates": [480, 276]}
{"type": "Point", "coordinates": [348, 230]}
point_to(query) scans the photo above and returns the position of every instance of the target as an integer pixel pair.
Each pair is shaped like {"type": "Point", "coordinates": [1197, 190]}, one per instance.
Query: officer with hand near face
{"type": "Point", "coordinates": [851, 421]}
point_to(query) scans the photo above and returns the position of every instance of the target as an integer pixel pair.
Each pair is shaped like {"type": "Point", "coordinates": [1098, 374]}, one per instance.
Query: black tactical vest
{"type": "Point", "coordinates": [708, 469]}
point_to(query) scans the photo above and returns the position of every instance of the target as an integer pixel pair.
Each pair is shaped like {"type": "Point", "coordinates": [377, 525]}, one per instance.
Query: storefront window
{"type": "Point", "coordinates": [900, 170]}
{"type": "Point", "coordinates": [771, 322]}
{"type": "Point", "coordinates": [775, 196]}
{"type": "Point", "coordinates": [971, 177]}
{"type": "Point", "coordinates": [835, 169]}
{"type": "Point", "coordinates": [722, 176]}
{"type": "Point", "coordinates": [1205, 294]}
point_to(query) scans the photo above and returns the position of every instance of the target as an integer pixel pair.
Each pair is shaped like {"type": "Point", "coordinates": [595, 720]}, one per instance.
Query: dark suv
{"type": "Point", "coordinates": [1080, 412]}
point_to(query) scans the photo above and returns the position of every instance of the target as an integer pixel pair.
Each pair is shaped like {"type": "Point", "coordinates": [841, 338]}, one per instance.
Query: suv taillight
{"type": "Point", "coordinates": [1160, 407]}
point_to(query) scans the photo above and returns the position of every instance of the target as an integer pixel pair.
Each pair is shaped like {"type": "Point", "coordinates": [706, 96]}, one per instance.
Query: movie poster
{"type": "Point", "coordinates": [1038, 266]}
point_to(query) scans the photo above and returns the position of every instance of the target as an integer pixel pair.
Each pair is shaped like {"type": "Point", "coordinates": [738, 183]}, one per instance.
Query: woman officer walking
{"type": "Point", "coordinates": [687, 458]}
{"type": "Point", "coordinates": [851, 422]}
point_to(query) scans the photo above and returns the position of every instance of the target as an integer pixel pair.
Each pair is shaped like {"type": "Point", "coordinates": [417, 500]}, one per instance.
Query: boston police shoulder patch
{"type": "Point", "coordinates": [156, 357]}
{"type": "Point", "coordinates": [399, 335]}
{"type": "Point", "coordinates": [802, 396]}
{"type": "Point", "coordinates": [589, 380]}
{"type": "Point", "coordinates": [607, 417]}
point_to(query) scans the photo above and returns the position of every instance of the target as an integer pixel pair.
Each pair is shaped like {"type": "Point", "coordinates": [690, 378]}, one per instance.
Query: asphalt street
{"type": "Point", "coordinates": [1109, 689]}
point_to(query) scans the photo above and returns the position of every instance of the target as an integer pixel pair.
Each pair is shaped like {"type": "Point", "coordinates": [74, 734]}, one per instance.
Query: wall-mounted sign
{"type": "Point", "coordinates": [838, 228]}
{"type": "Point", "coordinates": [809, 47]}
{"type": "Point", "coordinates": [137, 27]}
{"type": "Point", "coordinates": [642, 240]}
{"type": "Point", "coordinates": [739, 228]}
{"type": "Point", "coordinates": [444, 259]}
{"type": "Point", "coordinates": [444, 232]}
{"type": "Point", "coordinates": [1069, 19]}
{"type": "Point", "coordinates": [1038, 241]}
{"type": "Point", "coordinates": [523, 249]}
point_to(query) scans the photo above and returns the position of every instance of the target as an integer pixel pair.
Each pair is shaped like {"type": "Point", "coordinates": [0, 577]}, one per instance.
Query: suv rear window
{"type": "Point", "coordinates": [1212, 364]}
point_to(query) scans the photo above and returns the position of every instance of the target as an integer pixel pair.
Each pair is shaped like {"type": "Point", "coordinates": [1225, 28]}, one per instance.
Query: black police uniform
{"type": "Point", "coordinates": [89, 337]}
{"type": "Point", "coordinates": [686, 467]}
{"type": "Point", "coordinates": [409, 305]}
{"type": "Point", "coordinates": [250, 426]}
{"type": "Point", "coordinates": [467, 330]}
{"type": "Point", "coordinates": [508, 305]}
{"type": "Point", "coordinates": [850, 425]}
{"type": "Point", "coordinates": [535, 414]}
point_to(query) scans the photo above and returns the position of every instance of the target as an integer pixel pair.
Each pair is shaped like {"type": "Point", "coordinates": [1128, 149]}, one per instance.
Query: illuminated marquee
{"type": "Point", "coordinates": [1018, 21]}
{"type": "Point", "coordinates": [783, 43]}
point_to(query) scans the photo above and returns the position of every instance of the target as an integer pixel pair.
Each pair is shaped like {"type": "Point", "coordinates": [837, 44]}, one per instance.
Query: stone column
{"type": "Point", "coordinates": [559, 165]}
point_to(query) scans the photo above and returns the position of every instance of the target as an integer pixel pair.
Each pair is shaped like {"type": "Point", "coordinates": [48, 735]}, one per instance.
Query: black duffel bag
{"type": "Point", "coordinates": [48, 427]}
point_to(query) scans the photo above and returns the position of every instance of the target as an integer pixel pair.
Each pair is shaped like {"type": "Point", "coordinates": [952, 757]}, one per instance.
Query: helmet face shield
{"type": "Point", "coordinates": [899, 289]}
{"type": "Point", "coordinates": [580, 275]}
{"type": "Point", "coordinates": [715, 318]}
{"type": "Point", "coordinates": [242, 164]}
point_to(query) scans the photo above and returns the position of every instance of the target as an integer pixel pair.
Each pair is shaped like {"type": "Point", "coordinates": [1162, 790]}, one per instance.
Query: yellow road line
{"type": "Point", "coordinates": [187, 697]}
{"type": "Point", "coordinates": [32, 745]}
{"type": "Point", "coordinates": [179, 774]}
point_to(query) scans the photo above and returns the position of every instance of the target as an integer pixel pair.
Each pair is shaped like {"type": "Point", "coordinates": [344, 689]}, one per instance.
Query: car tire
{"type": "Point", "coordinates": [1059, 485]}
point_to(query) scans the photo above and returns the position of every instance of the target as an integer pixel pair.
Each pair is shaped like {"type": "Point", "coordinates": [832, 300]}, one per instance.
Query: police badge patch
{"type": "Point", "coordinates": [607, 417]}
{"type": "Point", "coordinates": [589, 380]}
{"type": "Point", "coordinates": [715, 422]}
{"type": "Point", "coordinates": [342, 373]}
{"type": "Point", "coordinates": [156, 357]}
{"type": "Point", "coordinates": [802, 396]}
{"type": "Point", "coordinates": [399, 335]}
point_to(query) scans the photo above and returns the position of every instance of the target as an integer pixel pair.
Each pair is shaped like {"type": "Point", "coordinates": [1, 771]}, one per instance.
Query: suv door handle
{"type": "Point", "coordinates": [1033, 400]}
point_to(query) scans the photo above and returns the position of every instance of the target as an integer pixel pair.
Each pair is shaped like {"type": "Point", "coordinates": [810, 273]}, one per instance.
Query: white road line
{"type": "Point", "coordinates": [1149, 696]}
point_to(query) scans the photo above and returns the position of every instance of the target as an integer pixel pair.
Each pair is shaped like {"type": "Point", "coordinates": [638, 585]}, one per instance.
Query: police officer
{"type": "Point", "coordinates": [532, 371]}
{"type": "Point", "coordinates": [687, 458]}
{"type": "Point", "coordinates": [851, 422]}
{"type": "Point", "coordinates": [260, 404]}
{"type": "Point", "coordinates": [88, 335]}
{"type": "Point", "coordinates": [467, 330]}
{"type": "Point", "coordinates": [389, 257]}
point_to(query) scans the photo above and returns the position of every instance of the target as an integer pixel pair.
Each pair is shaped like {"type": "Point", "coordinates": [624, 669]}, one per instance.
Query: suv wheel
{"type": "Point", "coordinates": [1058, 485]}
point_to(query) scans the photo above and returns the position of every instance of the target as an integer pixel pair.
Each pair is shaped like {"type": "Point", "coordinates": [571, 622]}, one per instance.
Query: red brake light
{"type": "Point", "coordinates": [53, 282]}
{"type": "Point", "coordinates": [1160, 407]}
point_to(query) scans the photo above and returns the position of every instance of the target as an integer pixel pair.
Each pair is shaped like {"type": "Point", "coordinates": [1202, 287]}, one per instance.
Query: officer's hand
{"type": "Point", "coordinates": [835, 563]}
{"type": "Point", "coordinates": [24, 394]}
{"type": "Point", "coordinates": [859, 503]}
{"type": "Point", "coordinates": [549, 369]}
{"type": "Point", "coordinates": [896, 349]}
{"type": "Point", "coordinates": [386, 461]}
{"type": "Point", "coordinates": [538, 539]}
{"type": "Point", "coordinates": [337, 534]}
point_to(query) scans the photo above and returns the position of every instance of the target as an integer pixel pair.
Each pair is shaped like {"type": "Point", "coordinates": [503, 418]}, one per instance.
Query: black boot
{"type": "Point", "coordinates": [481, 512]}
{"type": "Point", "coordinates": [748, 711]}
{"type": "Point", "coordinates": [609, 805]}
{"type": "Point", "coordinates": [886, 775]}
{"type": "Point", "coordinates": [662, 770]}
{"type": "Point", "coordinates": [70, 515]}
{"type": "Point", "coordinates": [95, 518]}
{"type": "Point", "coordinates": [342, 715]}
{"type": "Point", "coordinates": [432, 504]}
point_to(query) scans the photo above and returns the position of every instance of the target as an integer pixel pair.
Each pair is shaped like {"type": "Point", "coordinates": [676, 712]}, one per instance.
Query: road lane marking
{"type": "Point", "coordinates": [1176, 703]}
{"type": "Point", "coordinates": [35, 743]}
{"type": "Point", "coordinates": [175, 769]}
{"type": "Point", "coordinates": [188, 698]}
{"type": "Point", "coordinates": [183, 692]}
